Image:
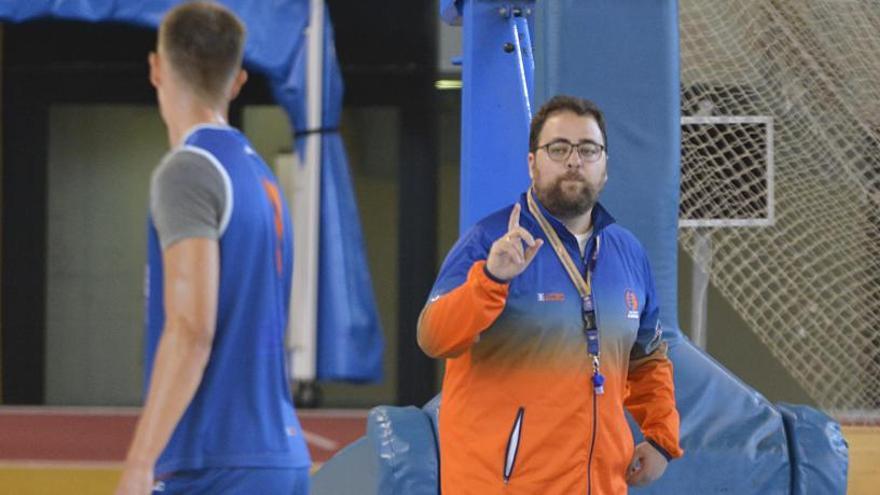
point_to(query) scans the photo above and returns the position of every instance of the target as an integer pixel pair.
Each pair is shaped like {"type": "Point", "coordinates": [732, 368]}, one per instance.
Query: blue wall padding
{"type": "Point", "coordinates": [406, 444]}
{"type": "Point", "coordinates": [731, 435]}
{"type": "Point", "coordinates": [397, 456]}
{"type": "Point", "coordinates": [624, 56]}
{"type": "Point", "coordinates": [734, 441]}
{"type": "Point", "coordinates": [818, 451]}
{"type": "Point", "coordinates": [353, 470]}
{"type": "Point", "coordinates": [432, 409]}
{"type": "Point", "coordinates": [350, 342]}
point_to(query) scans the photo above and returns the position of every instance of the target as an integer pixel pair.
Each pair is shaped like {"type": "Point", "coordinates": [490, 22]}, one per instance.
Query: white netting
{"type": "Point", "coordinates": [808, 283]}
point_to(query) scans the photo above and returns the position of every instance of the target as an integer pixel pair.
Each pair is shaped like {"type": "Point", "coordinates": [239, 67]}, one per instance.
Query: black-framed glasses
{"type": "Point", "coordinates": [560, 149]}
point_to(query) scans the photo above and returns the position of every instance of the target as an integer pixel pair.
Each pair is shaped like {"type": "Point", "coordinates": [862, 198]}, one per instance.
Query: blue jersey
{"type": "Point", "coordinates": [242, 414]}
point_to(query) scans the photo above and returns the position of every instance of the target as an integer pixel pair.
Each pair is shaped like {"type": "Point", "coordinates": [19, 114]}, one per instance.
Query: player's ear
{"type": "Point", "coordinates": [155, 77]}
{"type": "Point", "coordinates": [532, 166]}
{"type": "Point", "coordinates": [237, 84]}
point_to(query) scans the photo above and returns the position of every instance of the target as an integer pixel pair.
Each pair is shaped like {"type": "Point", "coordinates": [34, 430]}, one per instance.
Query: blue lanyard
{"type": "Point", "coordinates": [591, 328]}
{"type": "Point", "coordinates": [584, 287]}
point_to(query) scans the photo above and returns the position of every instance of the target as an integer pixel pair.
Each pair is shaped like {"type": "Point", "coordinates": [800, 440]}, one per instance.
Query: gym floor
{"type": "Point", "coordinates": [46, 450]}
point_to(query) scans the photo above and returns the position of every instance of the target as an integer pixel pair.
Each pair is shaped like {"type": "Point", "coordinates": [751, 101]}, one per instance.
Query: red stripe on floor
{"type": "Point", "coordinates": [54, 435]}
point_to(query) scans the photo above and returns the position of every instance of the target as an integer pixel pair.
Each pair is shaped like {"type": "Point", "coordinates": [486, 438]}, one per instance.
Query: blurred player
{"type": "Point", "coordinates": [218, 416]}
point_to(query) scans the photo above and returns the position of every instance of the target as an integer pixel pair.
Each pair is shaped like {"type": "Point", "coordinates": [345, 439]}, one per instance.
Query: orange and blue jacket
{"type": "Point", "coordinates": [518, 413]}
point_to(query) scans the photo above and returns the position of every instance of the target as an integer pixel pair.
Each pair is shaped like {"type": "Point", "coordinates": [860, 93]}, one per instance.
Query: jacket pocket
{"type": "Point", "coordinates": [513, 442]}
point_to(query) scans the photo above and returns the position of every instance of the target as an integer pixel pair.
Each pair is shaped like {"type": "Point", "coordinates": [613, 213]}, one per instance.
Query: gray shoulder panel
{"type": "Point", "coordinates": [190, 196]}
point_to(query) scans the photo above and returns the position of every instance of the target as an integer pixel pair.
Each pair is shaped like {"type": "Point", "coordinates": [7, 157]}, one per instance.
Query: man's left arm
{"type": "Point", "coordinates": [651, 391]}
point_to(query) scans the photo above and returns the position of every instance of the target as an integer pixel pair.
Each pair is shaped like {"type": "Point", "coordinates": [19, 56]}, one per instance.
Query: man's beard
{"type": "Point", "coordinates": [565, 205]}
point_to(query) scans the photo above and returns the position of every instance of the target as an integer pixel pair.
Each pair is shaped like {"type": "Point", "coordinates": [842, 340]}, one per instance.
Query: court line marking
{"type": "Point", "coordinates": [320, 441]}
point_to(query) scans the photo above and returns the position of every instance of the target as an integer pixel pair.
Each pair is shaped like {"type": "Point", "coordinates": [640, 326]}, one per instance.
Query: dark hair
{"type": "Point", "coordinates": [204, 42]}
{"type": "Point", "coordinates": [565, 103]}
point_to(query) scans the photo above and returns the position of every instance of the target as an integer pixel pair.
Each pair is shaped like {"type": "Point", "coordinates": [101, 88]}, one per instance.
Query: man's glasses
{"type": "Point", "coordinates": [560, 150]}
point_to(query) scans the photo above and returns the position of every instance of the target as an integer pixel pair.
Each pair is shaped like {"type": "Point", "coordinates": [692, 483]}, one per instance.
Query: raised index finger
{"type": "Point", "coordinates": [513, 223]}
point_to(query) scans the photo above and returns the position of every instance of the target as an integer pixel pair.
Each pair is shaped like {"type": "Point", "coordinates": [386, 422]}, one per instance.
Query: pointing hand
{"type": "Point", "coordinates": [507, 257]}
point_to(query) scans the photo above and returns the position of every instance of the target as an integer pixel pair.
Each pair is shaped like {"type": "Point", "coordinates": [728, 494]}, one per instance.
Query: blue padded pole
{"type": "Point", "coordinates": [624, 56]}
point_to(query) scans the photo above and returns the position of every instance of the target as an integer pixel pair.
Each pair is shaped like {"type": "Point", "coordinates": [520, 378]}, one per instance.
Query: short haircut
{"type": "Point", "coordinates": [204, 43]}
{"type": "Point", "coordinates": [564, 103]}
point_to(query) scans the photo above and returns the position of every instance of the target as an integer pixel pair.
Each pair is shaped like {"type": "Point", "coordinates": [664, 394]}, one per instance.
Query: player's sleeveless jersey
{"type": "Point", "coordinates": [242, 413]}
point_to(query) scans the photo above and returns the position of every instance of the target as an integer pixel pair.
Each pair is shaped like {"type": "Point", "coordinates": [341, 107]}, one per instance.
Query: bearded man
{"type": "Point", "coordinates": [545, 348]}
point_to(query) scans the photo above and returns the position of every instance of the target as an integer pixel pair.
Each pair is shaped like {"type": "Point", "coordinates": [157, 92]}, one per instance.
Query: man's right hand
{"type": "Point", "coordinates": [507, 258]}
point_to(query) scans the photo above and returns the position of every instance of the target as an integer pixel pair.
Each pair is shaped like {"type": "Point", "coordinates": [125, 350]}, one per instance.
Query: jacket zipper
{"type": "Point", "coordinates": [513, 445]}
{"type": "Point", "coordinates": [592, 445]}
{"type": "Point", "coordinates": [595, 415]}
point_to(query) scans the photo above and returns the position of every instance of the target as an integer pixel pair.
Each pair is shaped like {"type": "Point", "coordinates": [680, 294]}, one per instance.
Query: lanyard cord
{"type": "Point", "coordinates": [583, 284]}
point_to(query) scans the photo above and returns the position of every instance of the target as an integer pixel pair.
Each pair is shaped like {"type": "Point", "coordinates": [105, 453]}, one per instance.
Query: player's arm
{"type": "Point", "coordinates": [191, 271]}
{"type": "Point", "coordinates": [189, 198]}
{"type": "Point", "coordinates": [450, 323]}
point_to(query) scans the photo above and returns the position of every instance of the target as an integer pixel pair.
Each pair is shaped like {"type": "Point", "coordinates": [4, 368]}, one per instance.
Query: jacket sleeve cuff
{"type": "Point", "coordinates": [492, 277]}
{"type": "Point", "coordinates": [660, 449]}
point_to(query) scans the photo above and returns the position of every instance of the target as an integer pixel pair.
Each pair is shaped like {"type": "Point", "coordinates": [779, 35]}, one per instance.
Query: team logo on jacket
{"type": "Point", "coordinates": [632, 304]}
{"type": "Point", "coordinates": [551, 297]}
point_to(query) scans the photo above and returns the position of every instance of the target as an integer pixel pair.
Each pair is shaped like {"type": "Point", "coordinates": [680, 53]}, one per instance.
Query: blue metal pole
{"type": "Point", "coordinates": [497, 89]}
